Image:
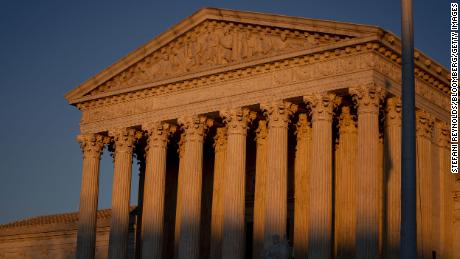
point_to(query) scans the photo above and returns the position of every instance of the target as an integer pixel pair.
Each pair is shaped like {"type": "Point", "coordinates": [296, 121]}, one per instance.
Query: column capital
{"type": "Point", "coordinates": [278, 112]}
{"type": "Point", "coordinates": [347, 123]}
{"type": "Point", "coordinates": [92, 144]}
{"type": "Point", "coordinates": [322, 105]}
{"type": "Point", "coordinates": [442, 136]}
{"type": "Point", "coordinates": [220, 139]}
{"type": "Point", "coordinates": [303, 127]}
{"type": "Point", "coordinates": [393, 112]}
{"type": "Point", "coordinates": [237, 120]}
{"type": "Point", "coordinates": [180, 144]}
{"type": "Point", "coordinates": [424, 124]}
{"type": "Point", "coordinates": [367, 98]}
{"type": "Point", "coordinates": [195, 126]}
{"type": "Point", "coordinates": [125, 139]}
{"type": "Point", "coordinates": [158, 133]}
{"type": "Point", "coordinates": [261, 133]}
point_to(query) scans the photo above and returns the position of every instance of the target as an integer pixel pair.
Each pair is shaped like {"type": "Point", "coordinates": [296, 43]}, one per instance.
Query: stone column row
{"type": "Point", "coordinates": [362, 238]}
{"type": "Point", "coordinates": [92, 144]}
{"type": "Point", "coordinates": [356, 191]}
{"type": "Point", "coordinates": [271, 205]}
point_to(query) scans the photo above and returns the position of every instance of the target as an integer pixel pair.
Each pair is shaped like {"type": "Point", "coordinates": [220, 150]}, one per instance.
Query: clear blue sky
{"type": "Point", "coordinates": [49, 47]}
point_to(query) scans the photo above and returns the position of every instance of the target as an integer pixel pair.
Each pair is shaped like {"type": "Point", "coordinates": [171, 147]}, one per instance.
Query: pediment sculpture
{"type": "Point", "coordinates": [213, 44]}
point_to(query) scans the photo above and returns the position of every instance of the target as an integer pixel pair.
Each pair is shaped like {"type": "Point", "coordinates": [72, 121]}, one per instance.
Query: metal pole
{"type": "Point", "coordinates": [408, 148]}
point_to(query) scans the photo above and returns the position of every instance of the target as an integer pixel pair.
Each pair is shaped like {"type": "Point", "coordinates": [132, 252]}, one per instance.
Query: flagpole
{"type": "Point", "coordinates": [408, 144]}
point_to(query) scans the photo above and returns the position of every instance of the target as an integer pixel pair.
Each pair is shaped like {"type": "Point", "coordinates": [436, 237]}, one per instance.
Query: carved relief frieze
{"type": "Point", "coordinates": [213, 44]}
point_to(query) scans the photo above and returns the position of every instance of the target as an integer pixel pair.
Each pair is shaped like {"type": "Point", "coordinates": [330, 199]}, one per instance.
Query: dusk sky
{"type": "Point", "coordinates": [49, 47]}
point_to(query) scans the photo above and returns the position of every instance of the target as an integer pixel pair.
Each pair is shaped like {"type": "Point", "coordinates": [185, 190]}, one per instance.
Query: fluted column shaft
{"type": "Point", "coordinates": [91, 146]}
{"type": "Point", "coordinates": [278, 113]}
{"type": "Point", "coordinates": [217, 218]}
{"type": "Point", "coordinates": [380, 196]}
{"type": "Point", "coordinates": [424, 123]}
{"type": "Point", "coordinates": [124, 143]}
{"type": "Point", "coordinates": [367, 228]}
{"type": "Point", "coordinates": [180, 151]}
{"type": "Point", "coordinates": [345, 186]}
{"type": "Point", "coordinates": [139, 153]}
{"type": "Point", "coordinates": [234, 178]}
{"type": "Point", "coordinates": [320, 194]}
{"type": "Point", "coordinates": [301, 185]}
{"type": "Point", "coordinates": [191, 183]}
{"type": "Point", "coordinates": [154, 190]}
{"type": "Point", "coordinates": [392, 174]}
{"type": "Point", "coordinates": [259, 193]}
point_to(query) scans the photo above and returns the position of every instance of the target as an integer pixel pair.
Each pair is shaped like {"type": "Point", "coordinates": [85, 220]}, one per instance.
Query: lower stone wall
{"type": "Point", "coordinates": [54, 240]}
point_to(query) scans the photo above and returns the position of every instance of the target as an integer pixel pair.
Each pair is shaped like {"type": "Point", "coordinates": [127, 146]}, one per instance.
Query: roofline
{"type": "Point", "coordinates": [68, 217]}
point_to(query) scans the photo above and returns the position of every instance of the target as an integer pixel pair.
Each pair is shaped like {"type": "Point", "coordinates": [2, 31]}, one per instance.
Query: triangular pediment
{"type": "Point", "coordinates": [211, 39]}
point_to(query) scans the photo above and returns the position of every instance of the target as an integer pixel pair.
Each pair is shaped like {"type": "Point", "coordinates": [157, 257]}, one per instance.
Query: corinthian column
{"type": "Point", "coordinates": [424, 123]}
{"type": "Point", "coordinates": [190, 184]}
{"type": "Point", "coordinates": [278, 113]}
{"type": "Point", "coordinates": [235, 173]}
{"type": "Point", "coordinates": [92, 146]}
{"type": "Point", "coordinates": [345, 186]}
{"type": "Point", "coordinates": [320, 194]}
{"type": "Point", "coordinates": [154, 190]}
{"type": "Point", "coordinates": [392, 172]}
{"type": "Point", "coordinates": [259, 193]}
{"type": "Point", "coordinates": [124, 143]}
{"type": "Point", "coordinates": [367, 100]}
{"type": "Point", "coordinates": [217, 218]}
{"type": "Point", "coordinates": [301, 177]}
{"type": "Point", "coordinates": [442, 137]}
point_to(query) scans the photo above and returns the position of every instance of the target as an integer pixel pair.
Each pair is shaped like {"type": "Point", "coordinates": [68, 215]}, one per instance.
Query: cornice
{"type": "Point", "coordinates": [291, 22]}
{"type": "Point", "coordinates": [423, 61]}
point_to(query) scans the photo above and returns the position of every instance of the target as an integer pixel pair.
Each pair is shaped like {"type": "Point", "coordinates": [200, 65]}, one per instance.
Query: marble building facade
{"type": "Point", "coordinates": [258, 135]}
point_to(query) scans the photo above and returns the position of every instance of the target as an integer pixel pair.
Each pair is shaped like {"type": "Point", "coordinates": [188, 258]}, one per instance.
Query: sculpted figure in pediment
{"type": "Point", "coordinates": [160, 65]}
{"type": "Point", "coordinates": [225, 43]}
{"type": "Point", "coordinates": [254, 44]}
{"type": "Point", "coordinates": [189, 60]}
